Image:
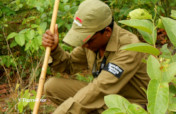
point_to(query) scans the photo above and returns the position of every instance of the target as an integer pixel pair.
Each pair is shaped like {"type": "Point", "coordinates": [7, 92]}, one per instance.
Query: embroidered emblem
{"type": "Point", "coordinates": [114, 69]}
{"type": "Point", "coordinates": [78, 21]}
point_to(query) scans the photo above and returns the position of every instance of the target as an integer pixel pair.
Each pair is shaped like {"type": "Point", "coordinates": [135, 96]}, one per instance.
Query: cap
{"type": "Point", "coordinates": [91, 16]}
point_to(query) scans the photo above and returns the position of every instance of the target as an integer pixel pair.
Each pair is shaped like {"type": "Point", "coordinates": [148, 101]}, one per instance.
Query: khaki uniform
{"type": "Point", "coordinates": [80, 97]}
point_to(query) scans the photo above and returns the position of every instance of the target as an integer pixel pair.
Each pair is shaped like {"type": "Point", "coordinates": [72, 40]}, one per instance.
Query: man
{"type": "Point", "coordinates": [98, 40]}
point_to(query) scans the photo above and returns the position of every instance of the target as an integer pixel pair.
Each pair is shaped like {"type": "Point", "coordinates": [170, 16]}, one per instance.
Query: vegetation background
{"type": "Point", "coordinates": [22, 23]}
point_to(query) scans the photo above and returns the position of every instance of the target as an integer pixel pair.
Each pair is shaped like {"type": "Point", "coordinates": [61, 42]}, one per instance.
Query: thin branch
{"type": "Point", "coordinates": [8, 47]}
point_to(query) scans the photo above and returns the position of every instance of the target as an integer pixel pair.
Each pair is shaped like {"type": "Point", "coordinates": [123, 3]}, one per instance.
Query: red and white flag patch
{"type": "Point", "coordinates": [78, 21]}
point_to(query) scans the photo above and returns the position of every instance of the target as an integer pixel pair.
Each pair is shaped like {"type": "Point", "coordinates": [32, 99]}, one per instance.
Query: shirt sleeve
{"type": "Point", "coordinates": [68, 62]}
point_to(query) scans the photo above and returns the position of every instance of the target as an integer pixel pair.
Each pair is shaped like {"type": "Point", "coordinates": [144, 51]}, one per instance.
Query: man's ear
{"type": "Point", "coordinates": [108, 31]}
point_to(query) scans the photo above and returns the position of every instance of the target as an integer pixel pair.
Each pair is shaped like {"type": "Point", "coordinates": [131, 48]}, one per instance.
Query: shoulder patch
{"type": "Point", "coordinates": [114, 69]}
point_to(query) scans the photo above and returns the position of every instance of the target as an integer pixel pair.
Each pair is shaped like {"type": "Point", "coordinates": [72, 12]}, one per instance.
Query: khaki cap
{"type": "Point", "coordinates": [91, 16]}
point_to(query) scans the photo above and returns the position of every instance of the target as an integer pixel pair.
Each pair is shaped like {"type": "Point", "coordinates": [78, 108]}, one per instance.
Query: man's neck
{"type": "Point", "coordinates": [101, 52]}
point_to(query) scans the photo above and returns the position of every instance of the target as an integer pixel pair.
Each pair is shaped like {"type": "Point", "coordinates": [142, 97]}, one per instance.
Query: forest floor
{"type": "Point", "coordinates": [9, 99]}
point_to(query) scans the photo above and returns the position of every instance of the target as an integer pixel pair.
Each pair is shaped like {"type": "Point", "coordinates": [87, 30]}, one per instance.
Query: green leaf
{"type": "Point", "coordinates": [160, 24]}
{"type": "Point", "coordinates": [30, 34]}
{"type": "Point", "coordinates": [116, 101]}
{"type": "Point", "coordinates": [144, 25]}
{"type": "Point", "coordinates": [20, 106]}
{"type": "Point", "coordinates": [28, 45]}
{"type": "Point", "coordinates": [170, 26]}
{"type": "Point", "coordinates": [170, 72]}
{"type": "Point", "coordinates": [147, 37]}
{"type": "Point", "coordinates": [43, 26]}
{"type": "Point", "coordinates": [65, 1]}
{"type": "Point", "coordinates": [23, 31]}
{"type": "Point", "coordinates": [26, 96]}
{"type": "Point", "coordinates": [20, 39]}
{"type": "Point", "coordinates": [31, 104]}
{"type": "Point", "coordinates": [173, 14]}
{"type": "Point", "coordinates": [141, 47]}
{"type": "Point", "coordinates": [41, 29]}
{"type": "Point", "coordinates": [172, 103]}
{"type": "Point", "coordinates": [140, 14]}
{"type": "Point", "coordinates": [158, 97]}
{"type": "Point", "coordinates": [113, 111]}
{"type": "Point", "coordinates": [11, 35]}
{"type": "Point", "coordinates": [165, 52]}
{"type": "Point", "coordinates": [39, 40]}
{"type": "Point", "coordinates": [13, 44]}
{"type": "Point", "coordinates": [136, 109]}
{"type": "Point", "coordinates": [34, 26]}
{"type": "Point", "coordinates": [153, 68]}
{"type": "Point", "coordinates": [174, 58]}
{"type": "Point", "coordinates": [67, 7]}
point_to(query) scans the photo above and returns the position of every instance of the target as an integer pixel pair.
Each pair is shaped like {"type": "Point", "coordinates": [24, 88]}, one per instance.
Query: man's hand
{"type": "Point", "coordinates": [51, 40]}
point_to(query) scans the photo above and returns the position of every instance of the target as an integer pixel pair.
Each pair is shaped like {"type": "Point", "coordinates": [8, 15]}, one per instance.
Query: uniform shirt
{"type": "Point", "coordinates": [129, 84]}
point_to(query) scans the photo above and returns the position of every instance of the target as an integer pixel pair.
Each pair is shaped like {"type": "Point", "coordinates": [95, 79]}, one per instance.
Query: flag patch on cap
{"type": "Point", "coordinates": [114, 69]}
{"type": "Point", "coordinates": [78, 21]}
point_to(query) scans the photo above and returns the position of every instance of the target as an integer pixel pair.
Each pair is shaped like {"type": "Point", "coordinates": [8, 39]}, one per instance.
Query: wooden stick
{"type": "Point", "coordinates": [45, 64]}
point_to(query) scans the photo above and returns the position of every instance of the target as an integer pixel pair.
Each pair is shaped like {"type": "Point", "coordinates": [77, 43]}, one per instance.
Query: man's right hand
{"type": "Point", "coordinates": [51, 40]}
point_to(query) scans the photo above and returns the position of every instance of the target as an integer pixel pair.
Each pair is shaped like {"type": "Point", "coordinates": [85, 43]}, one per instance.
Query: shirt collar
{"type": "Point", "coordinates": [113, 43]}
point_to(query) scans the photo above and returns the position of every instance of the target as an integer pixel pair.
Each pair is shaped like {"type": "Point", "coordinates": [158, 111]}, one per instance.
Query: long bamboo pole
{"type": "Point", "coordinates": [45, 64]}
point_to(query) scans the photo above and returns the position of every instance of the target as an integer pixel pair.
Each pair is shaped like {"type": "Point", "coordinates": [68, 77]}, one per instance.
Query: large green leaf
{"type": "Point", "coordinates": [141, 47]}
{"type": "Point", "coordinates": [117, 101]}
{"type": "Point", "coordinates": [113, 111]}
{"type": "Point", "coordinates": [170, 26]}
{"type": "Point", "coordinates": [20, 39]}
{"type": "Point", "coordinates": [153, 68]}
{"type": "Point", "coordinates": [170, 72]}
{"type": "Point", "coordinates": [144, 25]}
{"type": "Point", "coordinates": [158, 97]}
{"type": "Point", "coordinates": [173, 14]}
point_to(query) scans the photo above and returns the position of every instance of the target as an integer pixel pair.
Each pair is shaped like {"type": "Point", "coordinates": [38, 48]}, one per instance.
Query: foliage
{"type": "Point", "coordinates": [26, 98]}
{"type": "Point", "coordinates": [160, 68]}
{"type": "Point", "coordinates": [88, 78]}
{"type": "Point", "coordinates": [119, 105]}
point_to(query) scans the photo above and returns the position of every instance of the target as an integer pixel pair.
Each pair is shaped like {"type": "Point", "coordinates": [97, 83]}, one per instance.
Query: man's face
{"type": "Point", "coordinates": [96, 42]}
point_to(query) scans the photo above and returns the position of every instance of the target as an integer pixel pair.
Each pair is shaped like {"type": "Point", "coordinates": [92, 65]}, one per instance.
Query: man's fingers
{"type": "Point", "coordinates": [49, 33]}
{"type": "Point", "coordinates": [46, 44]}
{"type": "Point", "coordinates": [49, 41]}
{"type": "Point", "coordinates": [46, 36]}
